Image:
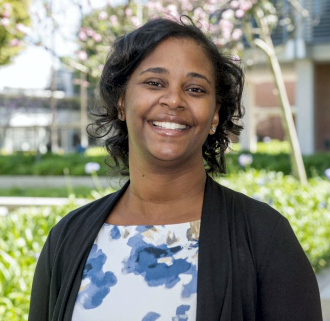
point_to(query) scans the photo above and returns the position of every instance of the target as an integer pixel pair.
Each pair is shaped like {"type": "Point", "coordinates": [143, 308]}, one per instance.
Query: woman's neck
{"type": "Point", "coordinates": [161, 196]}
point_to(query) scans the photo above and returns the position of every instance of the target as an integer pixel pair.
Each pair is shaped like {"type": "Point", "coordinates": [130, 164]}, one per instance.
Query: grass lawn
{"type": "Point", "coordinates": [80, 192]}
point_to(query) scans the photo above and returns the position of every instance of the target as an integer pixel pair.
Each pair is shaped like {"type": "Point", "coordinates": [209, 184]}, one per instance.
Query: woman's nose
{"type": "Point", "coordinates": [173, 99]}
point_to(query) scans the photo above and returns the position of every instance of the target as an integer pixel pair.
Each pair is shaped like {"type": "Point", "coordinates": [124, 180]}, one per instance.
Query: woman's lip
{"type": "Point", "coordinates": [165, 118]}
{"type": "Point", "coordinates": [168, 132]}
{"type": "Point", "coordinates": [169, 125]}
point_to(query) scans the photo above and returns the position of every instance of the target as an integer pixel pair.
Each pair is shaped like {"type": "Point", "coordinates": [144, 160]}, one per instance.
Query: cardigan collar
{"type": "Point", "coordinates": [214, 285]}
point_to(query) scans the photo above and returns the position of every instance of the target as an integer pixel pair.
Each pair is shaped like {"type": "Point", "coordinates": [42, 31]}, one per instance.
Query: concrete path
{"type": "Point", "coordinates": [59, 181]}
{"type": "Point", "coordinates": [323, 279]}
{"type": "Point", "coordinates": [10, 203]}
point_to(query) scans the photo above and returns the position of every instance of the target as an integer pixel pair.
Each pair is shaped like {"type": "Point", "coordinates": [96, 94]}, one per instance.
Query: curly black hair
{"type": "Point", "coordinates": [127, 53]}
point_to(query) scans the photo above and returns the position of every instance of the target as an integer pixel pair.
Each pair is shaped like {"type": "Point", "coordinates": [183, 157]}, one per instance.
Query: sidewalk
{"type": "Point", "coordinates": [323, 279]}
{"type": "Point", "coordinates": [59, 181]}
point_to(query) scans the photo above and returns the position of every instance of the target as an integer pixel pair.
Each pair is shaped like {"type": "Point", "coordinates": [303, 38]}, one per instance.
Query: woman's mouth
{"type": "Point", "coordinates": [169, 125]}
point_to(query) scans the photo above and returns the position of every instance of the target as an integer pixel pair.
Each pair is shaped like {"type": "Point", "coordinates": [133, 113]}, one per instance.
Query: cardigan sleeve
{"type": "Point", "coordinates": [287, 287]}
{"type": "Point", "coordinates": [40, 294]}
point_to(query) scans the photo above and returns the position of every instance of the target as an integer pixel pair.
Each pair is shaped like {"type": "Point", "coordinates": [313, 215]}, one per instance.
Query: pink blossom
{"type": "Point", "coordinates": [246, 5]}
{"type": "Point", "coordinates": [236, 58]}
{"type": "Point", "coordinates": [226, 28]}
{"type": "Point", "coordinates": [237, 34]}
{"type": "Point", "coordinates": [103, 15]}
{"type": "Point", "coordinates": [22, 28]}
{"type": "Point", "coordinates": [97, 37]}
{"type": "Point", "coordinates": [149, 5]}
{"type": "Point", "coordinates": [90, 32]}
{"type": "Point", "coordinates": [4, 22]}
{"type": "Point", "coordinates": [239, 13]}
{"type": "Point", "coordinates": [158, 7]}
{"type": "Point", "coordinates": [14, 42]}
{"type": "Point", "coordinates": [82, 55]}
{"type": "Point", "coordinates": [6, 6]}
{"type": "Point", "coordinates": [82, 35]}
{"type": "Point", "coordinates": [234, 4]}
{"type": "Point", "coordinates": [172, 9]}
{"type": "Point", "coordinates": [5, 14]}
{"type": "Point", "coordinates": [135, 21]}
{"type": "Point", "coordinates": [114, 20]}
{"type": "Point", "coordinates": [228, 14]}
{"type": "Point", "coordinates": [186, 5]}
{"type": "Point", "coordinates": [128, 12]}
{"type": "Point", "coordinates": [199, 13]}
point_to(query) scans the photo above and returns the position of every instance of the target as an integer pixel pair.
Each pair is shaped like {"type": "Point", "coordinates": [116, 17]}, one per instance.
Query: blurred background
{"type": "Point", "coordinates": [51, 56]}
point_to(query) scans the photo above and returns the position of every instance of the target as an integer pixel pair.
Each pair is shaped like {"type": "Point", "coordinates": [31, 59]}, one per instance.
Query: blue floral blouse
{"type": "Point", "coordinates": [141, 273]}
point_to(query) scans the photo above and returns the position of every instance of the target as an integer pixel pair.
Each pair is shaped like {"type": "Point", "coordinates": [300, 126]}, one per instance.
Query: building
{"type": "Point", "coordinates": [305, 63]}
{"type": "Point", "coordinates": [26, 118]}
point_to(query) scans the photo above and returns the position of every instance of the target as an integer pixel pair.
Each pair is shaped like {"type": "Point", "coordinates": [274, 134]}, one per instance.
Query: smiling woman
{"type": "Point", "coordinates": [172, 244]}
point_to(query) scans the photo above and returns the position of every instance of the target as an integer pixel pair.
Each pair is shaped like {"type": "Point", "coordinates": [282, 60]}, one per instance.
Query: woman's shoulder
{"type": "Point", "coordinates": [247, 210]}
{"type": "Point", "coordinates": [85, 216]}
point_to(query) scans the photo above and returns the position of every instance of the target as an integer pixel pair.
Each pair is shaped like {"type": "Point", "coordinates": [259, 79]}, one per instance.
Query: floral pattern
{"type": "Point", "coordinates": [142, 273]}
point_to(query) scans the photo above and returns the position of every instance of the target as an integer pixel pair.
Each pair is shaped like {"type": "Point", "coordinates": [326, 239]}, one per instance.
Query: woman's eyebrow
{"type": "Point", "coordinates": [197, 75]}
{"type": "Point", "coordinates": [160, 70]}
{"type": "Point", "coordinates": [157, 70]}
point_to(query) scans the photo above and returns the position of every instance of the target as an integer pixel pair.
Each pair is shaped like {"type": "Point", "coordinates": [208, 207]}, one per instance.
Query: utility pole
{"type": "Point", "coordinates": [83, 110]}
{"type": "Point", "coordinates": [53, 128]}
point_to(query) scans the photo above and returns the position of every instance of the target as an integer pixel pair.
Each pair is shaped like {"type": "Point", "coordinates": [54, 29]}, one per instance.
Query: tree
{"type": "Point", "coordinates": [14, 19]}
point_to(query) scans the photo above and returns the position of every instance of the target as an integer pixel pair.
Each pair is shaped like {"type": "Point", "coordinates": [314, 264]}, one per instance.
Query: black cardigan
{"type": "Point", "coordinates": [250, 264]}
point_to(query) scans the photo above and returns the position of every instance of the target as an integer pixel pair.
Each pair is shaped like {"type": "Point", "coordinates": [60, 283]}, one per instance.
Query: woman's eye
{"type": "Point", "coordinates": [196, 90]}
{"type": "Point", "coordinates": [153, 83]}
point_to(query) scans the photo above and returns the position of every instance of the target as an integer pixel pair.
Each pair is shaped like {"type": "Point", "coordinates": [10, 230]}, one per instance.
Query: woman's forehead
{"type": "Point", "coordinates": [177, 53]}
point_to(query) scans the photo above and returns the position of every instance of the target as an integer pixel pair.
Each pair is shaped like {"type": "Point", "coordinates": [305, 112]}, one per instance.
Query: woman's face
{"type": "Point", "coordinates": [169, 104]}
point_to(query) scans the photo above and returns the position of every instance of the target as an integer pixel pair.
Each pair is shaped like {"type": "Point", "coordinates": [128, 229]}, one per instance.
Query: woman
{"type": "Point", "coordinates": [172, 244]}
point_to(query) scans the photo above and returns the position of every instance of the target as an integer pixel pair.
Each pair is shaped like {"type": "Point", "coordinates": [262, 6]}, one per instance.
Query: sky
{"type": "Point", "coordinates": [30, 70]}
{"type": "Point", "coordinates": [32, 67]}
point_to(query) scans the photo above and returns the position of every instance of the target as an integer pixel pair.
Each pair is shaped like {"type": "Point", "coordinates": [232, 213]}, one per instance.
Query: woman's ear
{"type": "Point", "coordinates": [121, 109]}
{"type": "Point", "coordinates": [215, 121]}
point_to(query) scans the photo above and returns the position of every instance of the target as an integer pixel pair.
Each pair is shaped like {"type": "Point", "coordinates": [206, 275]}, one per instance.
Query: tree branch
{"type": "Point", "coordinates": [299, 8]}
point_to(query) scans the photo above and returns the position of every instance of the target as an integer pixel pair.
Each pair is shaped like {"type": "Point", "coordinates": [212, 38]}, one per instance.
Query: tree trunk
{"type": "Point", "coordinates": [266, 44]}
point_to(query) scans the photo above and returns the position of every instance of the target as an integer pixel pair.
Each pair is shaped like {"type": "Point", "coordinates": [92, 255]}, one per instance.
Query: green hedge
{"type": "Point", "coordinates": [49, 164]}
{"type": "Point", "coordinates": [22, 235]}
{"type": "Point", "coordinates": [23, 232]}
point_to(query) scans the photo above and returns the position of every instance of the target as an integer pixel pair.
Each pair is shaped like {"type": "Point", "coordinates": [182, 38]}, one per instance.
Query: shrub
{"type": "Point", "coordinates": [24, 231]}
{"type": "Point", "coordinates": [22, 235]}
{"type": "Point", "coordinates": [306, 207]}
{"type": "Point", "coordinates": [50, 164]}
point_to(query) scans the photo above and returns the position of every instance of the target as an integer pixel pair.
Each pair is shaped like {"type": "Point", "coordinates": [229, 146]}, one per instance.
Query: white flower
{"type": "Point", "coordinates": [97, 37]}
{"type": "Point", "coordinates": [103, 15]}
{"type": "Point", "coordinates": [82, 55]}
{"type": "Point", "coordinates": [23, 29]}
{"type": "Point", "coordinates": [114, 20]}
{"type": "Point", "coordinates": [5, 22]}
{"type": "Point", "coordinates": [237, 34]}
{"type": "Point", "coordinates": [228, 14]}
{"type": "Point", "coordinates": [245, 159]}
{"type": "Point", "coordinates": [82, 35]}
{"type": "Point", "coordinates": [239, 13]}
{"type": "Point", "coordinates": [91, 167]}
{"type": "Point", "coordinates": [327, 173]}
{"type": "Point", "coordinates": [14, 42]}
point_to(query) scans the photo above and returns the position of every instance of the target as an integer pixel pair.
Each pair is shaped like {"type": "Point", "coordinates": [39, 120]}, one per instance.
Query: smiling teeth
{"type": "Point", "coordinates": [167, 125]}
